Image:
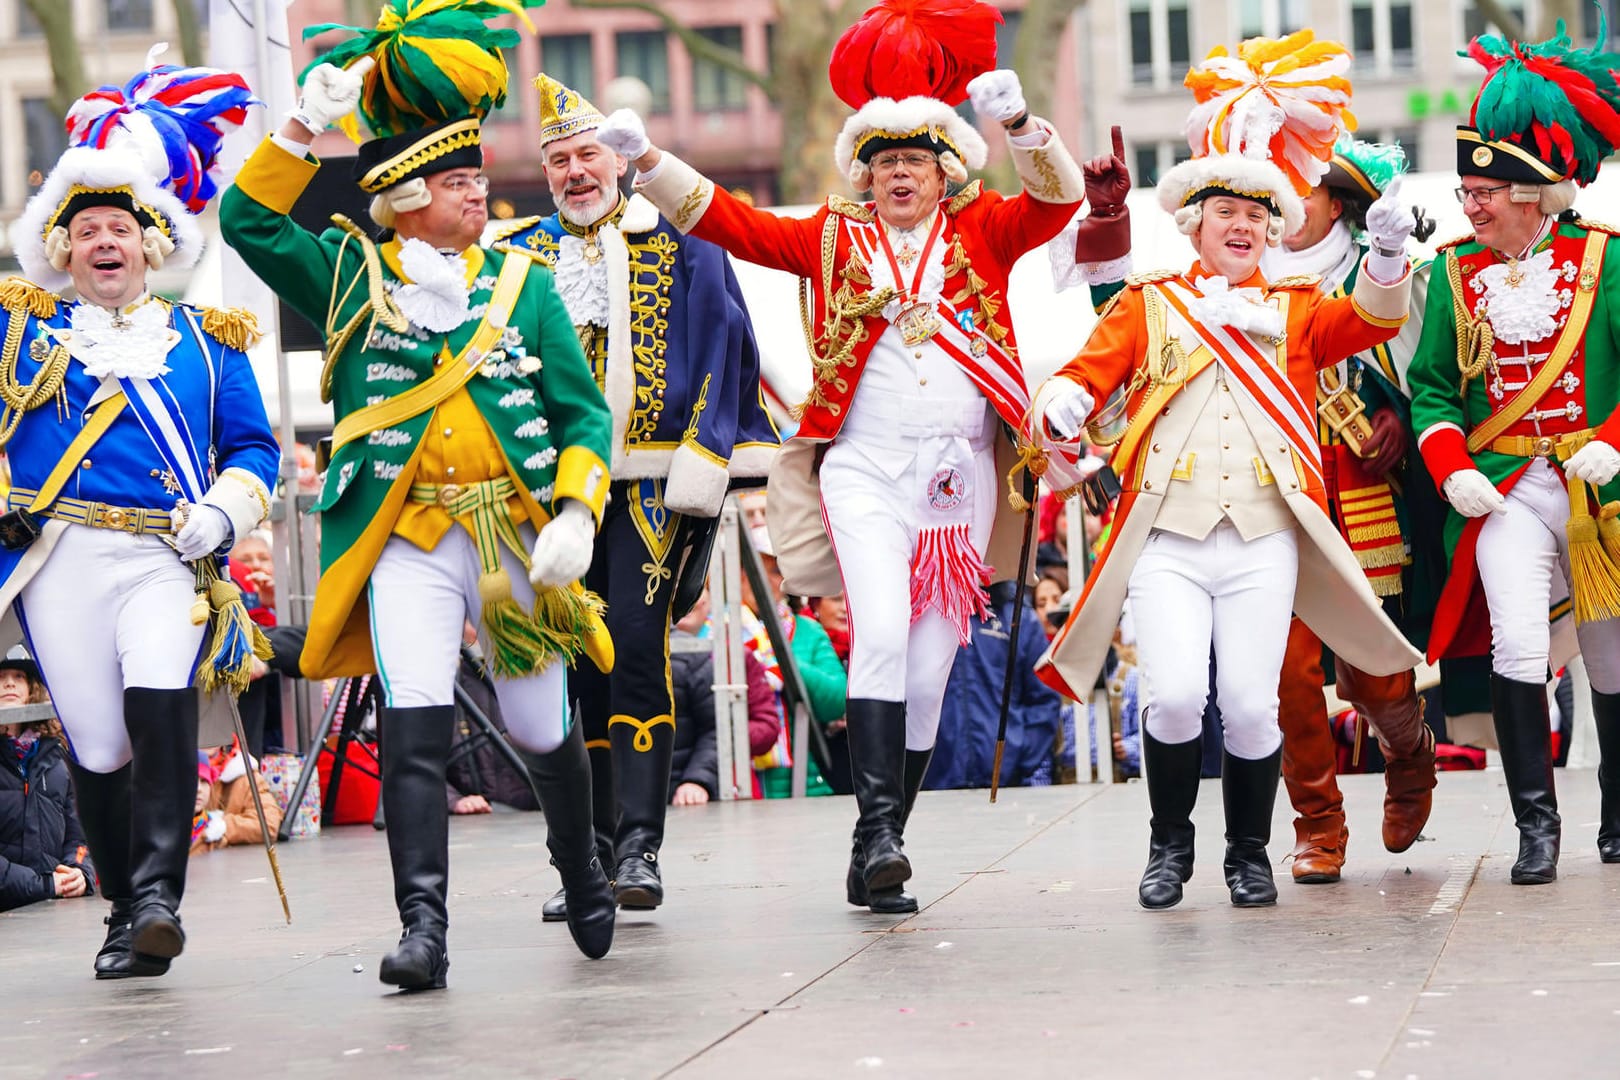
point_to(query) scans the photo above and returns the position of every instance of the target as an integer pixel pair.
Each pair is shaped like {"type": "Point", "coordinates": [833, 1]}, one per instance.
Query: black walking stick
{"type": "Point", "coordinates": [1028, 497]}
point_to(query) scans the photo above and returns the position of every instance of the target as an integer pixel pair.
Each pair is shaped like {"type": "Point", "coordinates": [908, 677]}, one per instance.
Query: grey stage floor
{"type": "Point", "coordinates": [1029, 958]}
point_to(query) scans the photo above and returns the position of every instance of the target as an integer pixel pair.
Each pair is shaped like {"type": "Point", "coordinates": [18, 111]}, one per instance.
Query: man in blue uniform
{"type": "Point", "coordinates": [139, 450]}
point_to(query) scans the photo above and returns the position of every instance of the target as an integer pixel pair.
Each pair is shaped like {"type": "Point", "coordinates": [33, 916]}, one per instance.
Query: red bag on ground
{"type": "Point", "coordinates": [359, 790]}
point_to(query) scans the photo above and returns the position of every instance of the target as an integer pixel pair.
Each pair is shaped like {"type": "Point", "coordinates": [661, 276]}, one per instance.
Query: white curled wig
{"type": "Point", "coordinates": [387, 205]}
{"type": "Point", "coordinates": [1251, 178]}
{"type": "Point", "coordinates": [1550, 199]}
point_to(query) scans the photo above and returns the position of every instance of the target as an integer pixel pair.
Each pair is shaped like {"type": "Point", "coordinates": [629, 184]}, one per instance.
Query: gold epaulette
{"type": "Point", "coordinates": [849, 208]}
{"type": "Point", "coordinates": [23, 297]}
{"type": "Point", "coordinates": [1149, 277]}
{"type": "Point", "coordinates": [1597, 226]}
{"type": "Point", "coordinates": [236, 328]}
{"type": "Point", "coordinates": [964, 198]}
{"type": "Point", "coordinates": [1296, 281]}
{"type": "Point", "coordinates": [1458, 241]}
{"type": "Point", "coordinates": [508, 229]}
{"type": "Point", "coordinates": [540, 257]}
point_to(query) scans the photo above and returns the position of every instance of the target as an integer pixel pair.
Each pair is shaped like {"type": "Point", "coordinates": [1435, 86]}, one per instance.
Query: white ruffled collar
{"type": "Point", "coordinates": [583, 283]}
{"type": "Point", "coordinates": [131, 343]}
{"type": "Point", "coordinates": [1244, 308]}
{"type": "Point", "coordinates": [434, 294]}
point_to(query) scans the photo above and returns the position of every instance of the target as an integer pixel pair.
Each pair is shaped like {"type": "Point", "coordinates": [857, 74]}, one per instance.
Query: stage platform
{"type": "Point", "coordinates": [1030, 957]}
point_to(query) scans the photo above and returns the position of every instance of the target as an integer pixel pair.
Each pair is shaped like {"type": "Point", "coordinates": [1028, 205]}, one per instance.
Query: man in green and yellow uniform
{"type": "Point", "coordinates": [468, 469]}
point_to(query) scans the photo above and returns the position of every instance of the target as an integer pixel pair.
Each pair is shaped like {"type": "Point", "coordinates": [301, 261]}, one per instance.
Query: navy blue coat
{"type": "Point", "coordinates": [39, 828]}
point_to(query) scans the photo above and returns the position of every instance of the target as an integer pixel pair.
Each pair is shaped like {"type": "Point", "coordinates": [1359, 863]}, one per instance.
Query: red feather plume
{"type": "Point", "coordinates": [902, 48]}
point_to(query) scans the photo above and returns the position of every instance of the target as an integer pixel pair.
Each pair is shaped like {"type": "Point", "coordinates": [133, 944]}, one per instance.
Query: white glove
{"type": "Point", "coordinates": [997, 94]}
{"type": "Point", "coordinates": [1389, 221]}
{"type": "Point", "coordinates": [562, 553]}
{"type": "Point", "coordinates": [1067, 407]}
{"type": "Point", "coordinates": [1472, 495]}
{"type": "Point", "coordinates": [214, 831]}
{"type": "Point", "coordinates": [1597, 463]}
{"type": "Point", "coordinates": [330, 94]}
{"type": "Point", "coordinates": [203, 531]}
{"type": "Point", "coordinates": [624, 134]}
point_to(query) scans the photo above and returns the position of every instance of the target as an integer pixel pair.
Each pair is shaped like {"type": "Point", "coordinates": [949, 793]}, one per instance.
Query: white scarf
{"type": "Point", "coordinates": [1243, 309]}
{"type": "Point", "coordinates": [1333, 257]}
{"type": "Point", "coordinates": [134, 344]}
{"type": "Point", "coordinates": [435, 298]}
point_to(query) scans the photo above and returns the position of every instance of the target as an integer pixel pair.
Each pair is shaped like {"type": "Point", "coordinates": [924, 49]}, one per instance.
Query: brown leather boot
{"type": "Point", "coordinates": [1391, 705]}
{"type": "Point", "coordinates": [1309, 766]}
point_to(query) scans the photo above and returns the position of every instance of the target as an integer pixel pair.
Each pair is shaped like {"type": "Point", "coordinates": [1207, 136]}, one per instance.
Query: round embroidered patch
{"type": "Point", "coordinates": [946, 490]}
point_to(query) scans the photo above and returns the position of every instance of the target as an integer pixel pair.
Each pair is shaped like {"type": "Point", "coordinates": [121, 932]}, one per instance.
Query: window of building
{"type": "Point", "coordinates": [1007, 37]}
{"type": "Point", "coordinates": [1151, 160]}
{"type": "Point", "coordinates": [1161, 42]}
{"type": "Point", "coordinates": [129, 15]}
{"type": "Point", "coordinates": [1475, 23]}
{"type": "Point", "coordinates": [645, 55]}
{"type": "Point", "coordinates": [567, 58]}
{"type": "Point", "coordinates": [27, 22]}
{"type": "Point", "coordinates": [1383, 36]}
{"type": "Point", "coordinates": [46, 137]}
{"type": "Point", "coordinates": [716, 88]}
{"type": "Point", "coordinates": [1269, 18]}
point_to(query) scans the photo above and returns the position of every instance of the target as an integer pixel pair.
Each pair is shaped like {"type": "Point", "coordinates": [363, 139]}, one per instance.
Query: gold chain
{"type": "Point", "coordinates": [18, 398]}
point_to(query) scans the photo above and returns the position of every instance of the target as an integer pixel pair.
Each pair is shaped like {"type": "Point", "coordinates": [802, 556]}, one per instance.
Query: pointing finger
{"type": "Point", "coordinates": [1119, 143]}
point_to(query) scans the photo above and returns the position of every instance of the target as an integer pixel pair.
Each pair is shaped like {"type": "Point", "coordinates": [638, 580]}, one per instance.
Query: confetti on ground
{"type": "Point", "coordinates": [943, 945]}
{"type": "Point", "coordinates": [869, 1063]}
{"type": "Point", "coordinates": [358, 968]}
{"type": "Point", "coordinates": [210, 1050]}
{"type": "Point", "coordinates": [1360, 999]}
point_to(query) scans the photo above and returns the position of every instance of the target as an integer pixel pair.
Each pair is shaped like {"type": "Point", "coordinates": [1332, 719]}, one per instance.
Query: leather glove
{"type": "Point", "coordinates": [1597, 463]}
{"type": "Point", "coordinates": [1388, 443]}
{"type": "Point", "coordinates": [562, 553]}
{"type": "Point", "coordinates": [997, 94]}
{"type": "Point", "coordinates": [1105, 233]}
{"type": "Point", "coordinates": [1472, 495]}
{"type": "Point", "coordinates": [330, 94]}
{"type": "Point", "coordinates": [1067, 407]}
{"type": "Point", "coordinates": [200, 530]}
{"type": "Point", "coordinates": [624, 134]}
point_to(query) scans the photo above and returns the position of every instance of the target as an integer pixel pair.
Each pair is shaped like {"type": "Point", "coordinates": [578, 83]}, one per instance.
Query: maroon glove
{"type": "Point", "coordinates": [1105, 233]}
{"type": "Point", "coordinates": [1387, 445]}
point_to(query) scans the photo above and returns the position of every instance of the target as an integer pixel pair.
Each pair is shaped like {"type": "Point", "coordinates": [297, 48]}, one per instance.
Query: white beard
{"type": "Point", "coordinates": [585, 218]}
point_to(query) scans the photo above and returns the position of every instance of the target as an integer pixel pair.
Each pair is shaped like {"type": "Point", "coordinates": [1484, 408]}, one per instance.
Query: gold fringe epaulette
{"type": "Point", "coordinates": [1597, 226]}
{"type": "Point", "coordinates": [962, 199]}
{"type": "Point", "coordinates": [1456, 242]}
{"type": "Point", "coordinates": [507, 229]}
{"type": "Point", "coordinates": [1150, 277]}
{"type": "Point", "coordinates": [25, 298]}
{"type": "Point", "coordinates": [849, 208]}
{"type": "Point", "coordinates": [236, 328]}
{"type": "Point", "coordinates": [1296, 281]}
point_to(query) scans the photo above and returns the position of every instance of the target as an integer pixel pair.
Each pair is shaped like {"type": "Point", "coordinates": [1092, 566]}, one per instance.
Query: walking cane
{"type": "Point", "coordinates": [1012, 641]}
{"type": "Point", "coordinates": [258, 804]}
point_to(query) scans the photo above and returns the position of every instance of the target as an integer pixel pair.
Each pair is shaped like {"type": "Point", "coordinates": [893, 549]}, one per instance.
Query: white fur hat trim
{"type": "Point", "coordinates": [1252, 177]}
{"type": "Point", "coordinates": [886, 116]}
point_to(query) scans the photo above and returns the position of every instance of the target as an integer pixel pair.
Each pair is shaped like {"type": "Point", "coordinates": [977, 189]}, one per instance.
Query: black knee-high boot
{"type": "Point", "coordinates": [1520, 712]}
{"type": "Point", "coordinates": [1172, 782]}
{"type": "Point", "coordinates": [162, 726]}
{"type": "Point", "coordinates": [103, 801]}
{"type": "Point", "coordinates": [642, 757]}
{"type": "Point", "coordinates": [604, 819]}
{"type": "Point", "coordinates": [1606, 712]}
{"type": "Point", "coordinates": [415, 747]}
{"type": "Point", "coordinates": [894, 900]}
{"type": "Point", "coordinates": [1249, 790]}
{"type": "Point", "coordinates": [877, 752]}
{"type": "Point", "coordinates": [564, 779]}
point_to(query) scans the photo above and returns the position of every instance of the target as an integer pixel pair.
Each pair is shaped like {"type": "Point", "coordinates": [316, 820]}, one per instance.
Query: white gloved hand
{"type": "Point", "coordinates": [624, 134]}
{"type": "Point", "coordinates": [1389, 221]}
{"type": "Point", "coordinates": [562, 553]}
{"type": "Point", "coordinates": [202, 531]}
{"type": "Point", "coordinates": [997, 94]}
{"type": "Point", "coordinates": [214, 831]}
{"type": "Point", "coordinates": [1067, 407]}
{"type": "Point", "coordinates": [330, 94]}
{"type": "Point", "coordinates": [1597, 463]}
{"type": "Point", "coordinates": [1472, 495]}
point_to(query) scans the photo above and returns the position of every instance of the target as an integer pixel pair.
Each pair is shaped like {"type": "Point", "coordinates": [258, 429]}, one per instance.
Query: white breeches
{"type": "Point", "coordinates": [1236, 596]}
{"type": "Point", "coordinates": [420, 601]}
{"type": "Point", "coordinates": [872, 500]}
{"type": "Point", "coordinates": [106, 612]}
{"type": "Point", "coordinates": [1519, 551]}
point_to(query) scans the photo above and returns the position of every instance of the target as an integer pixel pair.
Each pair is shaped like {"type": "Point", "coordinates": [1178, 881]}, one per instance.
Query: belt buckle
{"type": "Point", "coordinates": [114, 517]}
{"type": "Point", "coordinates": [1543, 446]}
{"type": "Point", "coordinates": [447, 495]}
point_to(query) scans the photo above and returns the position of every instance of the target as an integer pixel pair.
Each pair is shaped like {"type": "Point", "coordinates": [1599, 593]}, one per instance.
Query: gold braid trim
{"type": "Point", "coordinates": [379, 305]}
{"type": "Point", "coordinates": [963, 198]}
{"type": "Point", "coordinates": [1296, 281]}
{"type": "Point", "coordinates": [849, 208]}
{"type": "Point", "coordinates": [237, 328]}
{"type": "Point", "coordinates": [23, 297]}
{"type": "Point", "coordinates": [1476, 352]}
{"type": "Point", "coordinates": [17, 398]}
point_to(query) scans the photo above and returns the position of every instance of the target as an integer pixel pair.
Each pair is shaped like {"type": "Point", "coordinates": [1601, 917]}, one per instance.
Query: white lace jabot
{"type": "Point", "coordinates": [133, 343]}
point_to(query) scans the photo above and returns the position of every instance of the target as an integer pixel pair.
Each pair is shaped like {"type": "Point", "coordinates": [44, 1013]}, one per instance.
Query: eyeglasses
{"type": "Point", "coordinates": [1481, 195]}
{"type": "Point", "coordinates": [461, 185]}
{"type": "Point", "coordinates": [917, 160]}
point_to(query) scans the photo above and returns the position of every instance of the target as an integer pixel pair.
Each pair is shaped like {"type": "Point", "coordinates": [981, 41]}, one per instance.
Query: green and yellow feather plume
{"type": "Point", "coordinates": [436, 61]}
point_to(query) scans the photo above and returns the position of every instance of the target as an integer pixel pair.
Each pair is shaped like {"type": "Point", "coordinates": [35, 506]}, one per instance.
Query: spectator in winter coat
{"type": "Point", "coordinates": [253, 570]}
{"type": "Point", "coordinates": [224, 813]}
{"type": "Point", "coordinates": [967, 726]}
{"type": "Point", "coordinates": [42, 850]}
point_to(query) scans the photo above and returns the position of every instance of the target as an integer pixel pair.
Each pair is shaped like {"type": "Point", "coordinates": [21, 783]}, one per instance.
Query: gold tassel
{"type": "Point", "coordinates": [23, 296]}
{"type": "Point", "coordinates": [1033, 459]}
{"type": "Point", "coordinates": [229, 625]}
{"type": "Point", "coordinates": [237, 328]}
{"type": "Point", "coordinates": [1608, 522]}
{"type": "Point", "coordinates": [1596, 579]}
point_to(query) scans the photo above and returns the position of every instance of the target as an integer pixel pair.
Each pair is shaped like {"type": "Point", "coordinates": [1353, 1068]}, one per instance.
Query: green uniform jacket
{"type": "Point", "coordinates": [552, 424]}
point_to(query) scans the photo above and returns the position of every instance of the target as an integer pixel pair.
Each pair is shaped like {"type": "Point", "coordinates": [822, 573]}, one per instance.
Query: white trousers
{"type": "Point", "coordinates": [1519, 551]}
{"type": "Point", "coordinates": [109, 611]}
{"type": "Point", "coordinates": [420, 602]}
{"type": "Point", "coordinates": [1236, 596]}
{"type": "Point", "coordinates": [870, 502]}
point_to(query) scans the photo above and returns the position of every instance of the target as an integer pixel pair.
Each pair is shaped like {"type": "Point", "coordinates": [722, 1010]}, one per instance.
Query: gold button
{"type": "Point", "coordinates": [1293, 487]}
{"type": "Point", "coordinates": [1155, 448]}
{"type": "Point", "coordinates": [1226, 416]}
{"type": "Point", "coordinates": [922, 382]}
{"type": "Point", "coordinates": [1226, 505]}
{"type": "Point", "coordinates": [115, 518]}
{"type": "Point", "coordinates": [85, 464]}
{"type": "Point", "coordinates": [1147, 485]}
{"type": "Point", "coordinates": [1226, 476]}
{"type": "Point", "coordinates": [1226, 446]}
{"type": "Point", "coordinates": [917, 355]}
{"type": "Point", "coordinates": [450, 470]}
{"type": "Point", "coordinates": [447, 432]}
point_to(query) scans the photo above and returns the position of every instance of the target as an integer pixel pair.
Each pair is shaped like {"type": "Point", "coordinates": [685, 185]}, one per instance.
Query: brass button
{"type": "Point", "coordinates": [1155, 448]}
{"type": "Point", "coordinates": [922, 382]}
{"type": "Point", "coordinates": [450, 470]}
{"type": "Point", "coordinates": [85, 464]}
{"type": "Point", "coordinates": [115, 518]}
{"type": "Point", "coordinates": [1226, 476]}
{"type": "Point", "coordinates": [1147, 485]}
{"type": "Point", "coordinates": [917, 355]}
{"type": "Point", "coordinates": [1226, 446]}
{"type": "Point", "coordinates": [1293, 487]}
{"type": "Point", "coordinates": [1226, 506]}
{"type": "Point", "coordinates": [1226, 416]}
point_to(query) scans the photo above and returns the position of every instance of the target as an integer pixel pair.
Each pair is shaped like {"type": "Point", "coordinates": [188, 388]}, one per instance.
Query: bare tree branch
{"type": "Point", "coordinates": [190, 27]}
{"type": "Point", "coordinates": [1503, 19]}
{"type": "Point", "coordinates": [68, 80]}
{"type": "Point", "coordinates": [699, 46]}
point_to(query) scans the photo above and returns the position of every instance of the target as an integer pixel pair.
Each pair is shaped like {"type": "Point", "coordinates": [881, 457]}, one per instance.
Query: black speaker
{"type": "Point", "coordinates": [332, 191]}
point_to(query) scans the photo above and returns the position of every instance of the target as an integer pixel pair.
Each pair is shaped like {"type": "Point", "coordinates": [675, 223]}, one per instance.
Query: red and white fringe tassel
{"type": "Point", "coordinates": [948, 574]}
